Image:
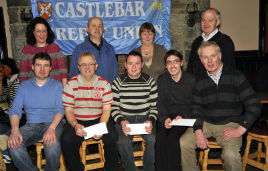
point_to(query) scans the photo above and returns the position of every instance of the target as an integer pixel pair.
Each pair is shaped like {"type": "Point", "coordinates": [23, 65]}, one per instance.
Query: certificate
{"type": "Point", "coordinates": [97, 129]}
{"type": "Point", "coordinates": [183, 122]}
{"type": "Point", "coordinates": [137, 129]}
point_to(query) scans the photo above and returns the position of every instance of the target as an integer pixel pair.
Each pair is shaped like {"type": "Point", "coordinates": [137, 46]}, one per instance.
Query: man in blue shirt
{"type": "Point", "coordinates": [100, 48]}
{"type": "Point", "coordinates": [41, 99]}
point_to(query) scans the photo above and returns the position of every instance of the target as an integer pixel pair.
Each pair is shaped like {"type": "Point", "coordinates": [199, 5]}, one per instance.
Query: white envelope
{"type": "Point", "coordinates": [183, 122]}
{"type": "Point", "coordinates": [97, 129]}
{"type": "Point", "coordinates": [137, 129]}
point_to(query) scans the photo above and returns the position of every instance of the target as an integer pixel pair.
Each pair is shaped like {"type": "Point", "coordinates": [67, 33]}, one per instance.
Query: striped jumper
{"type": "Point", "coordinates": [134, 97]}
{"type": "Point", "coordinates": [10, 90]}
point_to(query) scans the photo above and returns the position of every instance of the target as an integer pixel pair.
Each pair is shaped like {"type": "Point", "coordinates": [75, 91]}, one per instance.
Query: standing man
{"type": "Point", "coordinates": [87, 99]}
{"type": "Point", "coordinates": [225, 106]}
{"type": "Point", "coordinates": [210, 23]}
{"type": "Point", "coordinates": [41, 99]}
{"type": "Point", "coordinates": [100, 48]}
{"type": "Point", "coordinates": [174, 102]}
{"type": "Point", "coordinates": [135, 96]}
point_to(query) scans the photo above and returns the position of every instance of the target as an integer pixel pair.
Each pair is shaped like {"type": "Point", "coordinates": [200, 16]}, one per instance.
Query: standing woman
{"type": "Point", "coordinates": [152, 54]}
{"type": "Point", "coordinates": [40, 38]}
{"type": "Point", "coordinates": [9, 84]}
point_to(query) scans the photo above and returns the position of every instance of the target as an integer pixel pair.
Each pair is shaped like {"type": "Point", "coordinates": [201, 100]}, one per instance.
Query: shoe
{"type": "Point", "coordinates": [6, 158]}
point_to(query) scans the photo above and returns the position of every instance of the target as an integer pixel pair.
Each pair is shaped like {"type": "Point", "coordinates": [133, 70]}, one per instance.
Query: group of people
{"type": "Point", "coordinates": [153, 90]}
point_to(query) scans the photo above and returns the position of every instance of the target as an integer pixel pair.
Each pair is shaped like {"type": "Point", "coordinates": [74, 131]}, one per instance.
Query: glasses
{"type": "Point", "coordinates": [175, 62]}
{"type": "Point", "coordinates": [40, 31]}
{"type": "Point", "coordinates": [85, 65]}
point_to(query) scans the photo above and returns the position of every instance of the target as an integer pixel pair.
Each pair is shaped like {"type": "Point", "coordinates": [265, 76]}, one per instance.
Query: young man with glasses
{"type": "Point", "coordinates": [174, 102]}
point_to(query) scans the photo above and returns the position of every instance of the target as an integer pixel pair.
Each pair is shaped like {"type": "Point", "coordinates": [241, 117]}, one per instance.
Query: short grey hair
{"type": "Point", "coordinates": [87, 54]}
{"type": "Point", "coordinates": [206, 44]}
{"type": "Point", "coordinates": [217, 12]}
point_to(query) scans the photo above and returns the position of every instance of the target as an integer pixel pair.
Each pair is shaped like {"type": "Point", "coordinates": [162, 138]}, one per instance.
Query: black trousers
{"type": "Point", "coordinates": [70, 144]}
{"type": "Point", "coordinates": [167, 148]}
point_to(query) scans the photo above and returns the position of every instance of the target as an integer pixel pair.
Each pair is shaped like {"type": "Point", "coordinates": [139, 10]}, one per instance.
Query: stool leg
{"type": "Point", "coordinates": [39, 157]}
{"type": "Point", "coordinates": [205, 161]}
{"type": "Point", "coordinates": [62, 164]}
{"type": "Point", "coordinates": [266, 156]}
{"type": "Point", "coordinates": [259, 151]}
{"type": "Point", "coordinates": [245, 158]}
{"type": "Point", "coordinates": [2, 163]}
{"type": "Point", "coordinates": [201, 158]}
{"type": "Point", "coordinates": [83, 153]}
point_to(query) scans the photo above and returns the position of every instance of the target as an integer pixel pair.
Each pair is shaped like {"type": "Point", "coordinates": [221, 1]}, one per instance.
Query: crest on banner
{"type": "Point", "coordinates": [45, 10]}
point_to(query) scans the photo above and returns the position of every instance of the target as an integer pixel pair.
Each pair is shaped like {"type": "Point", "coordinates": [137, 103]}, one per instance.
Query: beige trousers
{"type": "Point", "coordinates": [230, 153]}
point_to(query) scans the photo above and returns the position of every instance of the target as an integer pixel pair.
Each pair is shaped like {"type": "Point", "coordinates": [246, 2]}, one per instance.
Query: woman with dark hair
{"type": "Point", "coordinates": [40, 38]}
{"type": "Point", "coordinates": [152, 54]}
{"type": "Point", "coordinates": [9, 84]}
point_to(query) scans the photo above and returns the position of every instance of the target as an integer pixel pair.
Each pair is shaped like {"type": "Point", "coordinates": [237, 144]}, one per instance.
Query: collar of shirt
{"type": "Point", "coordinates": [95, 45]}
{"type": "Point", "coordinates": [218, 76]}
{"type": "Point", "coordinates": [9, 81]}
{"type": "Point", "coordinates": [210, 35]}
{"type": "Point", "coordinates": [81, 82]}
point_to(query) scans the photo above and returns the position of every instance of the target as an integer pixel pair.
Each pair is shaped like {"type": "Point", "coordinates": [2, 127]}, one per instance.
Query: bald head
{"type": "Point", "coordinates": [95, 29]}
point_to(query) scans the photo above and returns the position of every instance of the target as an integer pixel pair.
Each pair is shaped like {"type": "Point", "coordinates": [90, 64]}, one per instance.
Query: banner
{"type": "Point", "coordinates": [121, 20]}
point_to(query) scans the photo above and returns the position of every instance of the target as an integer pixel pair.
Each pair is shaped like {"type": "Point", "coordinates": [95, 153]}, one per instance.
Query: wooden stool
{"type": "Point", "coordinates": [40, 161]}
{"type": "Point", "coordinates": [2, 163]}
{"type": "Point", "coordinates": [140, 153]}
{"type": "Point", "coordinates": [204, 161]}
{"type": "Point", "coordinates": [85, 157]}
{"type": "Point", "coordinates": [259, 134]}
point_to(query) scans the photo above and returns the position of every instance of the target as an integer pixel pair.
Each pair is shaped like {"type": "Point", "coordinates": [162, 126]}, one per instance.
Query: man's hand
{"type": "Point", "coordinates": [49, 137]}
{"type": "Point", "coordinates": [167, 123]}
{"type": "Point", "coordinates": [125, 129]}
{"type": "Point", "coordinates": [233, 133]}
{"type": "Point", "coordinates": [149, 128]}
{"type": "Point", "coordinates": [79, 130]}
{"type": "Point", "coordinates": [200, 139]}
{"type": "Point", "coordinates": [15, 139]}
{"type": "Point", "coordinates": [97, 137]}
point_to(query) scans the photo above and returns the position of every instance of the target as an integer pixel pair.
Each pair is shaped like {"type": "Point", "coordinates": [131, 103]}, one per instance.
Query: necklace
{"type": "Point", "coordinates": [147, 51]}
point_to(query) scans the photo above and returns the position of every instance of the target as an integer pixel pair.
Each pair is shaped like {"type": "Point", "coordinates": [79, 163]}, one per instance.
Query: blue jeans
{"type": "Point", "coordinates": [125, 146]}
{"type": "Point", "coordinates": [32, 133]}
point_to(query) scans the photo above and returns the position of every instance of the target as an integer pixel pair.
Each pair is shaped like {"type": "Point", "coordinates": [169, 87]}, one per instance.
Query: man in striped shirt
{"type": "Point", "coordinates": [135, 96]}
{"type": "Point", "coordinates": [87, 99]}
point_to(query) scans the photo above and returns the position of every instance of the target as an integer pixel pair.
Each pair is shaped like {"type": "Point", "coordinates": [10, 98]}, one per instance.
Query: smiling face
{"type": "Point", "coordinates": [41, 69]}
{"type": "Point", "coordinates": [134, 66]}
{"type": "Point", "coordinates": [173, 65]}
{"type": "Point", "coordinates": [95, 28]}
{"type": "Point", "coordinates": [147, 37]}
{"type": "Point", "coordinates": [40, 34]}
{"type": "Point", "coordinates": [87, 67]}
{"type": "Point", "coordinates": [209, 22]}
{"type": "Point", "coordinates": [211, 59]}
{"type": "Point", "coordinates": [5, 70]}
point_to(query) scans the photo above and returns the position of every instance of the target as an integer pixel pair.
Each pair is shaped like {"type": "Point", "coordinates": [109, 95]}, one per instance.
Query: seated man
{"type": "Point", "coordinates": [174, 102]}
{"type": "Point", "coordinates": [135, 95]}
{"type": "Point", "coordinates": [225, 105]}
{"type": "Point", "coordinates": [41, 99]}
{"type": "Point", "coordinates": [87, 99]}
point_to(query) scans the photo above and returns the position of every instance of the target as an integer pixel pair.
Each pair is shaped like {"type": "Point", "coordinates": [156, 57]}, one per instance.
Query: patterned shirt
{"type": "Point", "coordinates": [87, 101]}
{"type": "Point", "coordinates": [59, 68]}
